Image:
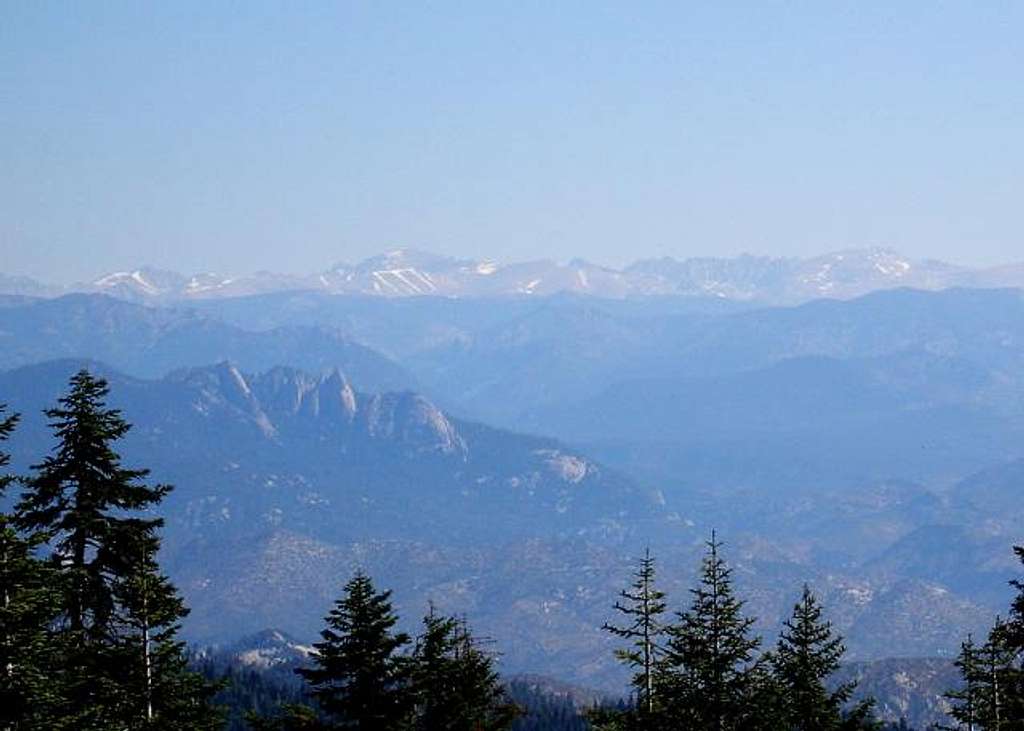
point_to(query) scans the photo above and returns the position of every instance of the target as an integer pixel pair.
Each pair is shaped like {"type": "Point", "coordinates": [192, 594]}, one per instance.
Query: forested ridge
{"type": "Point", "coordinates": [89, 634]}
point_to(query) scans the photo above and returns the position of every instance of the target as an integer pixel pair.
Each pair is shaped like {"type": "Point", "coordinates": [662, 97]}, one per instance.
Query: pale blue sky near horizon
{"type": "Point", "coordinates": [237, 136]}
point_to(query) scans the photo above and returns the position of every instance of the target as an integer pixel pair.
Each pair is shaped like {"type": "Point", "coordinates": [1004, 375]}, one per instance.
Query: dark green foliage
{"type": "Point", "coordinates": [711, 675]}
{"type": "Point", "coordinates": [643, 606]}
{"type": "Point", "coordinates": [966, 702]}
{"type": "Point", "coordinates": [453, 683]}
{"type": "Point", "coordinates": [291, 717]}
{"type": "Point", "coordinates": [116, 616]}
{"type": "Point", "coordinates": [358, 679]}
{"type": "Point", "coordinates": [991, 696]}
{"type": "Point", "coordinates": [273, 699]}
{"type": "Point", "coordinates": [806, 655]}
{"type": "Point", "coordinates": [544, 711]}
{"type": "Point", "coordinates": [989, 699]}
{"type": "Point", "coordinates": [29, 666]}
{"type": "Point", "coordinates": [152, 665]}
{"type": "Point", "coordinates": [711, 665]}
{"type": "Point", "coordinates": [79, 496]}
{"type": "Point", "coordinates": [244, 691]}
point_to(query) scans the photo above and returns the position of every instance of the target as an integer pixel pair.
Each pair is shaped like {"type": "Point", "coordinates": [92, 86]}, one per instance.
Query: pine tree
{"type": "Point", "coordinates": [712, 671]}
{"type": "Point", "coordinates": [998, 681]}
{"type": "Point", "coordinates": [79, 497]}
{"type": "Point", "coordinates": [453, 681]}
{"type": "Point", "coordinates": [806, 655]}
{"type": "Point", "coordinates": [642, 605]}
{"type": "Point", "coordinates": [358, 680]}
{"type": "Point", "coordinates": [87, 505]}
{"type": "Point", "coordinates": [988, 699]}
{"type": "Point", "coordinates": [965, 703]}
{"type": "Point", "coordinates": [1008, 636]}
{"type": "Point", "coordinates": [152, 663]}
{"type": "Point", "coordinates": [29, 666]}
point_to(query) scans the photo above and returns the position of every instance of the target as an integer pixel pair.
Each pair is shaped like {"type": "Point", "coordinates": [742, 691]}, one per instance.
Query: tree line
{"type": "Point", "coordinates": [702, 667]}
{"type": "Point", "coordinates": [89, 630]}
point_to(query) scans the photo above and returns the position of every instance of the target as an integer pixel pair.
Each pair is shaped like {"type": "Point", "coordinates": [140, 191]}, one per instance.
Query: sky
{"type": "Point", "coordinates": [289, 136]}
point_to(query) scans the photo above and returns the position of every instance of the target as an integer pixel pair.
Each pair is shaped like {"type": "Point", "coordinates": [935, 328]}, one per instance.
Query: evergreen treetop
{"type": "Point", "coordinates": [79, 498]}
{"type": "Point", "coordinates": [27, 665]}
{"type": "Point", "coordinates": [357, 678]}
{"type": "Point", "coordinates": [642, 605]}
{"type": "Point", "coordinates": [114, 616]}
{"type": "Point", "coordinates": [807, 653]}
{"type": "Point", "coordinates": [711, 658]}
{"type": "Point", "coordinates": [453, 682]}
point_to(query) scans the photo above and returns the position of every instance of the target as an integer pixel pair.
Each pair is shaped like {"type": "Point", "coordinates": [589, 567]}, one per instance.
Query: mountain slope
{"type": "Point", "coordinates": [286, 482]}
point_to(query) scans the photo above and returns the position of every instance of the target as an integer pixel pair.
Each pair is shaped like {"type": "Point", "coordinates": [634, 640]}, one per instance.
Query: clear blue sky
{"type": "Point", "coordinates": [243, 135]}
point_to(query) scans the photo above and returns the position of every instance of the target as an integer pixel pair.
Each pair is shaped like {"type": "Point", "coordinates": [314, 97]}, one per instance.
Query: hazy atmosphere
{"type": "Point", "coordinates": [290, 136]}
{"type": "Point", "coordinates": [536, 366]}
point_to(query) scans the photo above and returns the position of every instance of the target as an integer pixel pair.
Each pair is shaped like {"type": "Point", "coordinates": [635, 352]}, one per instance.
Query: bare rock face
{"type": "Point", "coordinates": [291, 394]}
{"type": "Point", "coordinates": [411, 421]}
{"type": "Point", "coordinates": [569, 467]}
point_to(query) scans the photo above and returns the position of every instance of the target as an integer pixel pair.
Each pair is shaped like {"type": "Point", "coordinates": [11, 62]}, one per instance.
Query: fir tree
{"type": "Point", "coordinates": [712, 671]}
{"type": "Point", "coordinates": [79, 497]}
{"type": "Point", "coordinates": [453, 681]}
{"type": "Point", "coordinates": [965, 703]}
{"type": "Point", "coordinates": [87, 505]}
{"type": "Point", "coordinates": [358, 680]}
{"type": "Point", "coordinates": [988, 699]}
{"type": "Point", "coordinates": [997, 681]}
{"type": "Point", "coordinates": [29, 666]}
{"type": "Point", "coordinates": [642, 605]}
{"type": "Point", "coordinates": [1008, 636]}
{"type": "Point", "coordinates": [152, 663]}
{"type": "Point", "coordinates": [806, 655]}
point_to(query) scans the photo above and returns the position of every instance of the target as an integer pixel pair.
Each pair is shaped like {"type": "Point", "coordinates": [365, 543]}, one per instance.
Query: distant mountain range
{"type": "Point", "coordinates": [287, 481]}
{"type": "Point", "coordinates": [871, 447]}
{"type": "Point", "coordinates": [409, 273]}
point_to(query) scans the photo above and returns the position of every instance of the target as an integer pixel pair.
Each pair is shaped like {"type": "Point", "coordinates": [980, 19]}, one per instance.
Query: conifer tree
{"type": "Point", "coordinates": [152, 664]}
{"type": "Point", "coordinates": [1009, 637]}
{"type": "Point", "coordinates": [358, 680]}
{"type": "Point", "coordinates": [998, 683]}
{"type": "Point", "coordinates": [965, 703]}
{"type": "Point", "coordinates": [79, 497]}
{"type": "Point", "coordinates": [453, 681]}
{"type": "Point", "coordinates": [806, 655]}
{"type": "Point", "coordinates": [29, 667]}
{"type": "Point", "coordinates": [643, 606]}
{"type": "Point", "coordinates": [712, 670]}
{"type": "Point", "coordinates": [988, 699]}
{"type": "Point", "coordinates": [87, 504]}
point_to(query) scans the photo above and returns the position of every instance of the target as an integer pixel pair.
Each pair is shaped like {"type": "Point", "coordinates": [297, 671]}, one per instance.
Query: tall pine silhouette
{"type": "Point", "coordinates": [453, 682]}
{"type": "Point", "coordinates": [89, 507]}
{"type": "Point", "coordinates": [808, 652]}
{"type": "Point", "coordinates": [712, 671]}
{"type": "Point", "coordinates": [642, 607]}
{"type": "Point", "coordinates": [358, 679]}
{"type": "Point", "coordinates": [29, 664]}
